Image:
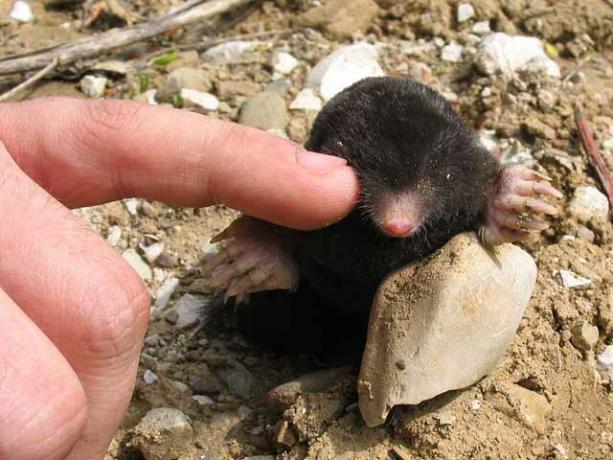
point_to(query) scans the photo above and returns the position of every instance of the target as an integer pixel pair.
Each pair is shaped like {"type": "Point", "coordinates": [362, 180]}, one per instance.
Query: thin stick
{"type": "Point", "coordinates": [88, 47]}
{"type": "Point", "coordinates": [594, 154]}
{"type": "Point", "coordinates": [27, 83]}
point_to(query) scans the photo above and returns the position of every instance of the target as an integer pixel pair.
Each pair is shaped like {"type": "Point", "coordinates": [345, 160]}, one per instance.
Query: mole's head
{"type": "Point", "coordinates": [417, 162]}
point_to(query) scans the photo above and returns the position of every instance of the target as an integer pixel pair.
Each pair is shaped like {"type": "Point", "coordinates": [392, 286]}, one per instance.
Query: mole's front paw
{"type": "Point", "coordinates": [511, 211]}
{"type": "Point", "coordinates": [254, 257]}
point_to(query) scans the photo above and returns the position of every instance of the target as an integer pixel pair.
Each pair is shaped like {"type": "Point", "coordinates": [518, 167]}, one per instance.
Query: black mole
{"type": "Point", "coordinates": [424, 177]}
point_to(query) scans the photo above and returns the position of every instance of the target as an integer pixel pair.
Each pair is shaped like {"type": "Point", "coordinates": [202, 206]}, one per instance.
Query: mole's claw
{"type": "Point", "coordinates": [253, 256]}
{"type": "Point", "coordinates": [522, 204]}
{"type": "Point", "coordinates": [509, 213]}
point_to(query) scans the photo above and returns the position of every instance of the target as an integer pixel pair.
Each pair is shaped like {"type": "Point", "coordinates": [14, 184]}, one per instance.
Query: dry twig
{"type": "Point", "coordinates": [88, 47]}
{"type": "Point", "coordinates": [11, 94]}
{"type": "Point", "coordinates": [594, 154]}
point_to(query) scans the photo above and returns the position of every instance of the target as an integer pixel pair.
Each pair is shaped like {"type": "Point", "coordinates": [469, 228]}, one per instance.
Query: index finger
{"type": "Point", "coordinates": [90, 152]}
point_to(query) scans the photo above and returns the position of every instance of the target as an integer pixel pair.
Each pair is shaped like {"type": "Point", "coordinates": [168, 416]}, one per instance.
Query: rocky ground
{"type": "Point", "coordinates": [205, 393]}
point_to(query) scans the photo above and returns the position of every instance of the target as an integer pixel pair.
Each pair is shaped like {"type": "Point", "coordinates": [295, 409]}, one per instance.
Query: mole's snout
{"type": "Point", "coordinates": [398, 228]}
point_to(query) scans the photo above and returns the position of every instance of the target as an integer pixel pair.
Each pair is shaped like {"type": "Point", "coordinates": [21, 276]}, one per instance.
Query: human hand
{"type": "Point", "coordinates": [72, 313]}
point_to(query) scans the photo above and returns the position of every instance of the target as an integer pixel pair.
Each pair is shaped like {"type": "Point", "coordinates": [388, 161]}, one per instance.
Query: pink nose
{"type": "Point", "coordinates": [398, 228]}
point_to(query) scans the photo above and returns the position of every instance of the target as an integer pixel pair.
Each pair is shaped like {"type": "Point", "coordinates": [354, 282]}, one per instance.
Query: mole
{"type": "Point", "coordinates": [424, 177]}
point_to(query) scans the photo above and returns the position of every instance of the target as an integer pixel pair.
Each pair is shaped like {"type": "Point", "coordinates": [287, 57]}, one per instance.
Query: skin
{"type": "Point", "coordinates": [72, 313]}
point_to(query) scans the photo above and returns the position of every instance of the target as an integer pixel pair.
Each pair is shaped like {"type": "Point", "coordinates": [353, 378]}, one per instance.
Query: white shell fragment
{"type": "Point", "coordinates": [343, 68]}
{"type": "Point", "coordinates": [507, 54]}
{"type": "Point", "coordinates": [571, 280]}
{"type": "Point", "coordinates": [21, 12]}
{"type": "Point", "coordinates": [306, 100]}
{"type": "Point", "coordinates": [442, 324]}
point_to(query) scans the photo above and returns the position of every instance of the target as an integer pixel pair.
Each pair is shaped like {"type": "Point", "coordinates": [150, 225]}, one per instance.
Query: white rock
{"type": "Point", "coordinates": [607, 144]}
{"type": "Point", "coordinates": [445, 418]}
{"type": "Point", "coordinates": [207, 101]}
{"type": "Point", "coordinates": [481, 28]}
{"type": "Point", "coordinates": [606, 361]}
{"type": "Point", "coordinates": [452, 52]}
{"type": "Point", "coordinates": [138, 264]}
{"type": "Point", "coordinates": [507, 54]}
{"type": "Point", "coordinates": [165, 292]}
{"type": "Point", "coordinates": [203, 400]}
{"type": "Point", "coordinates": [189, 309]}
{"type": "Point", "coordinates": [159, 274]}
{"type": "Point", "coordinates": [236, 52]}
{"type": "Point", "coordinates": [132, 205]}
{"type": "Point", "coordinates": [439, 42]}
{"type": "Point", "coordinates": [589, 203]}
{"type": "Point", "coordinates": [93, 85]}
{"type": "Point", "coordinates": [283, 63]}
{"type": "Point", "coordinates": [343, 68]}
{"type": "Point", "coordinates": [571, 280]}
{"type": "Point", "coordinates": [22, 12]}
{"type": "Point", "coordinates": [114, 235]}
{"type": "Point", "coordinates": [306, 100]}
{"type": "Point", "coordinates": [475, 404]}
{"type": "Point", "coordinates": [152, 251]}
{"type": "Point", "coordinates": [465, 12]}
{"type": "Point", "coordinates": [442, 324]}
{"type": "Point", "coordinates": [149, 377]}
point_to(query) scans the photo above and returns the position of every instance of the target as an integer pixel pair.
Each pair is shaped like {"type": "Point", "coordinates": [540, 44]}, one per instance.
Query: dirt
{"type": "Point", "coordinates": [487, 420]}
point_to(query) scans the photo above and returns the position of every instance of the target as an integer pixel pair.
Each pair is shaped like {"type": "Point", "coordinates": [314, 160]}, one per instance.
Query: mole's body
{"type": "Point", "coordinates": [423, 174]}
{"type": "Point", "coordinates": [424, 177]}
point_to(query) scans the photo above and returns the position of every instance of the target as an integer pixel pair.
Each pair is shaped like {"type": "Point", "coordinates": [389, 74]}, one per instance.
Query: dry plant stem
{"type": "Point", "coordinates": [594, 154]}
{"type": "Point", "coordinates": [88, 47]}
{"type": "Point", "coordinates": [13, 93]}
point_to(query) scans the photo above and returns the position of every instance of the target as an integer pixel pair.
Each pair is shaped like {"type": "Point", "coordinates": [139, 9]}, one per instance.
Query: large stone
{"type": "Point", "coordinates": [264, 111]}
{"type": "Point", "coordinates": [341, 18]}
{"type": "Point", "coordinates": [507, 54]}
{"type": "Point", "coordinates": [163, 434]}
{"type": "Point", "coordinates": [344, 67]}
{"type": "Point", "coordinates": [442, 324]}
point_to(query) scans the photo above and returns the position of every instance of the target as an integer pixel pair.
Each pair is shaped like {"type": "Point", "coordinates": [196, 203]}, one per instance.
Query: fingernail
{"type": "Point", "coordinates": [318, 163]}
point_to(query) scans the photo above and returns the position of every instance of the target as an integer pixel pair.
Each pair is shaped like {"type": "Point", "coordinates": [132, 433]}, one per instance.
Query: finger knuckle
{"type": "Point", "coordinates": [101, 119]}
{"type": "Point", "coordinates": [116, 313]}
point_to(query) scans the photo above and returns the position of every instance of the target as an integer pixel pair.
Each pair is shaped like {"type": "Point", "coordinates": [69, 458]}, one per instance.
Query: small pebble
{"type": "Point", "coordinates": [465, 12]}
{"type": "Point", "coordinates": [283, 63]}
{"type": "Point", "coordinates": [605, 359]}
{"type": "Point", "coordinates": [22, 12]}
{"type": "Point", "coordinates": [452, 52]}
{"type": "Point", "coordinates": [114, 235]}
{"type": "Point", "coordinates": [571, 280]}
{"type": "Point", "coordinates": [132, 205]}
{"type": "Point", "coordinates": [445, 418]}
{"type": "Point", "coordinates": [163, 433]}
{"type": "Point", "coordinates": [138, 264]}
{"type": "Point", "coordinates": [584, 336]}
{"type": "Point", "coordinates": [481, 28]}
{"type": "Point", "coordinates": [93, 85]}
{"type": "Point", "coordinates": [306, 100]}
{"type": "Point", "coordinates": [203, 400]}
{"type": "Point", "coordinates": [149, 377]}
{"type": "Point", "coordinates": [589, 203]}
{"type": "Point", "coordinates": [164, 293]}
{"type": "Point", "coordinates": [206, 101]}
